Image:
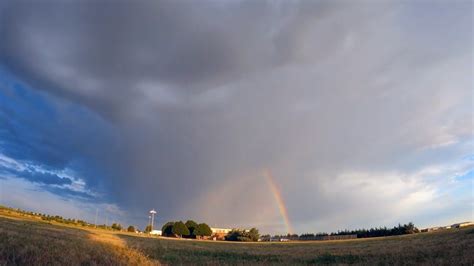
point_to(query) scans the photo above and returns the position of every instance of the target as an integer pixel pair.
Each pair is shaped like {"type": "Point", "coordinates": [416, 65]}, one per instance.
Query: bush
{"type": "Point", "coordinates": [131, 228]}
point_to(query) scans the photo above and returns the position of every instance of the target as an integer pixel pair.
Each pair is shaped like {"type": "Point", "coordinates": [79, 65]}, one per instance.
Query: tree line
{"type": "Point", "coordinates": [192, 229]}
{"type": "Point", "coordinates": [381, 231]}
{"type": "Point", "coordinates": [400, 229]}
{"type": "Point", "coordinates": [46, 217]}
{"type": "Point", "coordinates": [60, 219]}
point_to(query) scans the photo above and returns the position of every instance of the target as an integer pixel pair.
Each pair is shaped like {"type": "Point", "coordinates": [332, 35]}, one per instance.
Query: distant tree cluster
{"type": "Point", "coordinates": [361, 233]}
{"type": "Point", "coordinates": [190, 229]}
{"type": "Point", "coordinates": [59, 219]}
{"type": "Point", "coordinates": [381, 231]}
{"type": "Point", "coordinates": [243, 235]}
{"type": "Point", "coordinates": [46, 217]}
{"type": "Point", "coordinates": [116, 226]}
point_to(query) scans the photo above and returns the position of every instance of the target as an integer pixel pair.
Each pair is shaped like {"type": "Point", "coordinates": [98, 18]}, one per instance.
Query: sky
{"type": "Point", "coordinates": [288, 116]}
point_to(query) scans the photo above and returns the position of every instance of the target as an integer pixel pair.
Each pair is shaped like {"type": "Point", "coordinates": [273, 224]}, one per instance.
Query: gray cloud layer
{"type": "Point", "coordinates": [207, 94]}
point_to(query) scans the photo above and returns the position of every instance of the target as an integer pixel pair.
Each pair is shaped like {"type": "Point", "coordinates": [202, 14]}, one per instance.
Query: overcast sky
{"type": "Point", "coordinates": [361, 110]}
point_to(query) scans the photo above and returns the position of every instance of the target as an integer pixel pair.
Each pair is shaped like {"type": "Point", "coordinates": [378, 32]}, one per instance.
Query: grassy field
{"type": "Point", "coordinates": [25, 241]}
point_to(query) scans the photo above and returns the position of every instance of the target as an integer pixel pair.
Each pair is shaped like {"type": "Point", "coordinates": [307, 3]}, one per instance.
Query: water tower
{"type": "Point", "coordinates": [152, 212]}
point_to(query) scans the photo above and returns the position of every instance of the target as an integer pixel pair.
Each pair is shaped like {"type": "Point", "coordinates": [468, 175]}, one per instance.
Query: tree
{"type": "Point", "coordinates": [167, 229]}
{"type": "Point", "coordinates": [202, 230]}
{"type": "Point", "coordinates": [410, 228]}
{"type": "Point", "coordinates": [243, 235]}
{"type": "Point", "coordinates": [237, 235]}
{"type": "Point", "coordinates": [191, 225]}
{"type": "Point", "coordinates": [148, 229]}
{"type": "Point", "coordinates": [131, 228]}
{"type": "Point", "coordinates": [116, 226]}
{"type": "Point", "coordinates": [254, 235]}
{"type": "Point", "coordinates": [180, 229]}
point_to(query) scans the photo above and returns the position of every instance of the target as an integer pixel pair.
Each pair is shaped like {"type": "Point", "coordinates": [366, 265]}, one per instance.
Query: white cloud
{"type": "Point", "coordinates": [77, 184]}
{"type": "Point", "coordinates": [22, 194]}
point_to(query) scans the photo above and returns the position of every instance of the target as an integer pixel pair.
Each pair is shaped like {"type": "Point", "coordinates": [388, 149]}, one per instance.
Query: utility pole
{"type": "Point", "coordinates": [96, 213]}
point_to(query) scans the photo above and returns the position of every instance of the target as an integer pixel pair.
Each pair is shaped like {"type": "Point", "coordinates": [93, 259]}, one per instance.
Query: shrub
{"type": "Point", "coordinates": [131, 228]}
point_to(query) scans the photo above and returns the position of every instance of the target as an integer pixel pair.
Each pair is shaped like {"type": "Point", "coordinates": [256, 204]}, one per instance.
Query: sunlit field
{"type": "Point", "coordinates": [27, 241]}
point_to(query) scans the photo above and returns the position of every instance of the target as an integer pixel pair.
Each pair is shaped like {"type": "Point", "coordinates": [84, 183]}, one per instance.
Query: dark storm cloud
{"type": "Point", "coordinates": [38, 177]}
{"type": "Point", "coordinates": [38, 129]}
{"type": "Point", "coordinates": [119, 45]}
{"type": "Point", "coordinates": [201, 96]}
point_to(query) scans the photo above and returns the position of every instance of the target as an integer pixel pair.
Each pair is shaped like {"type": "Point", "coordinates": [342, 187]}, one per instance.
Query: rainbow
{"type": "Point", "coordinates": [279, 199]}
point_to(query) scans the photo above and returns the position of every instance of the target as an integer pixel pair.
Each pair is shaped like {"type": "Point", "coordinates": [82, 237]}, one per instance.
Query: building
{"type": "Point", "coordinates": [431, 229]}
{"type": "Point", "coordinates": [457, 225]}
{"type": "Point", "coordinates": [155, 232]}
{"type": "Point", "coordinates": [219, 233]}
{"type": "Point", "coordinates": [460, 225]}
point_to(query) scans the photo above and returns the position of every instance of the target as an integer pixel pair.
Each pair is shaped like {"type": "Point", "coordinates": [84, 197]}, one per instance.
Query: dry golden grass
{"type": "Point", "coordinates": [25, 241]}
{"type": "Point", "coordinates": [450, 247]}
